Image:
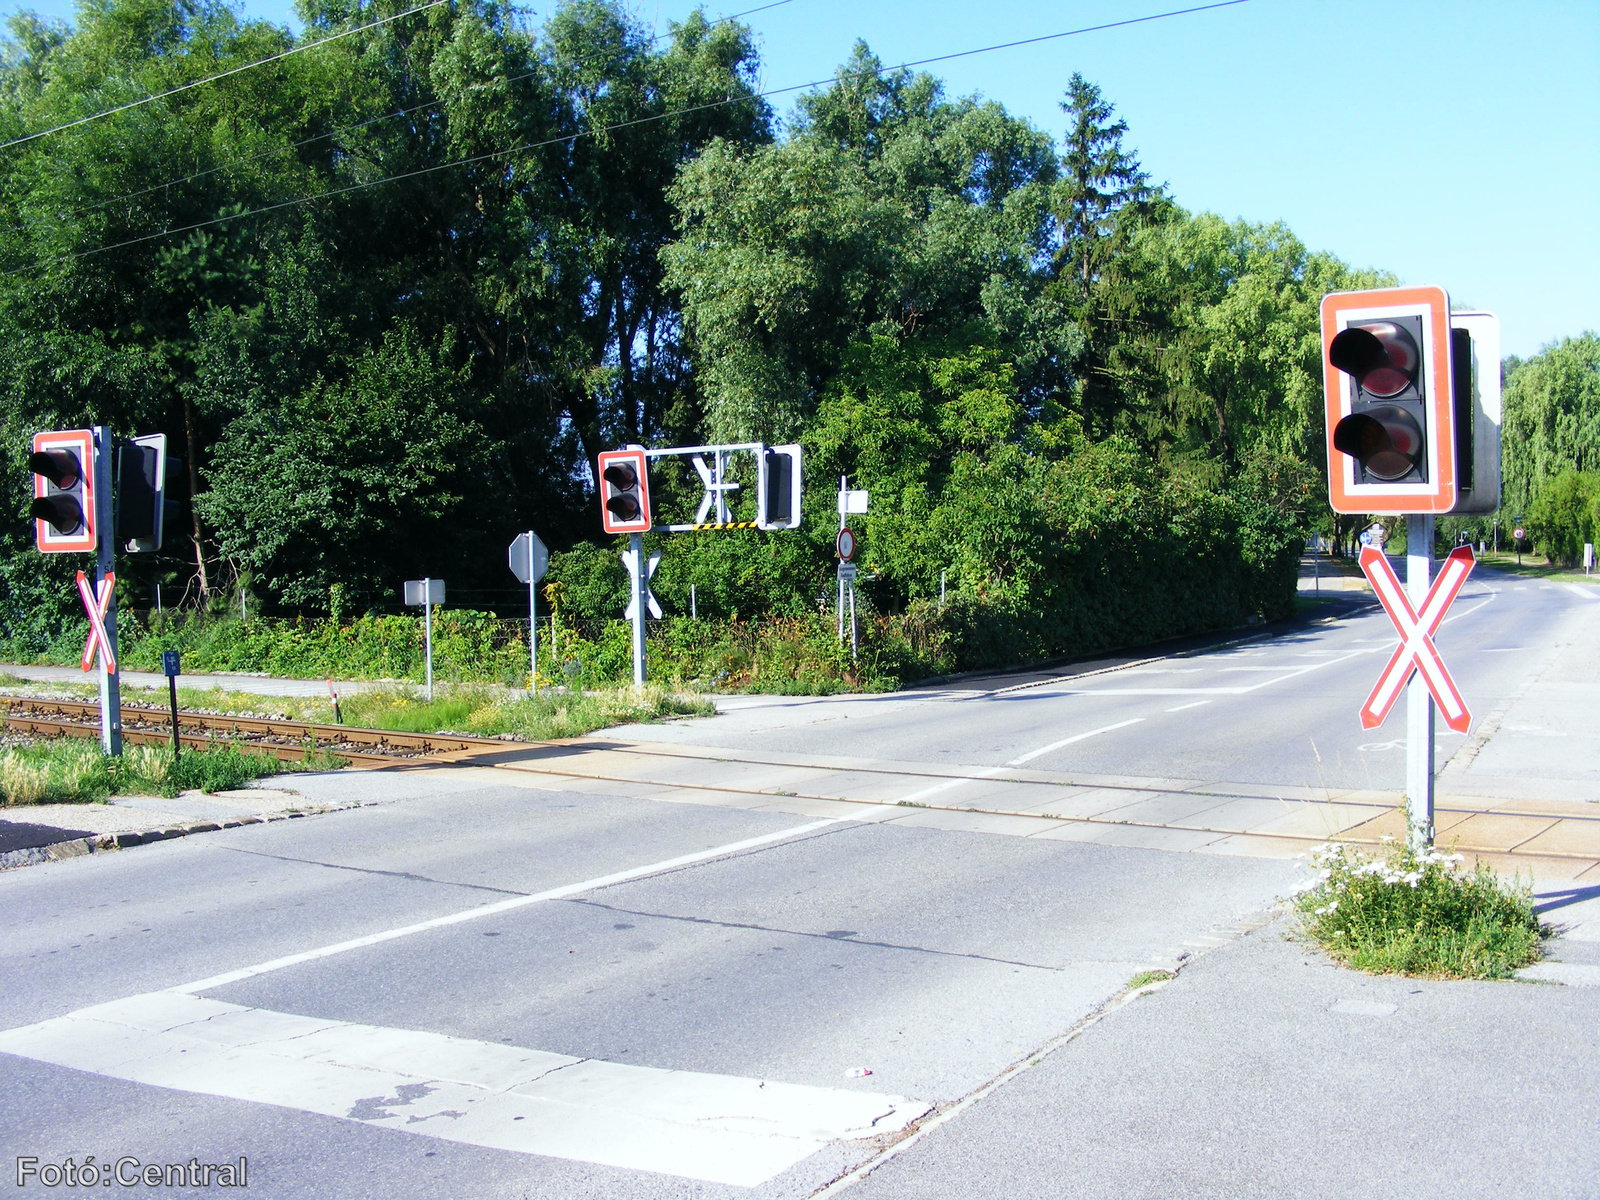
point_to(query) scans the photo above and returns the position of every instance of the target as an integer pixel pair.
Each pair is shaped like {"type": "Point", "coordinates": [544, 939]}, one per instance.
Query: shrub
{"type": "Point", "coordinates": [1406, 913]}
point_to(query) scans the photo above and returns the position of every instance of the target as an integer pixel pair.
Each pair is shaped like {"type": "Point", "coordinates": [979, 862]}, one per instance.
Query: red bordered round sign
{"type": "Point", "coordinates": [846, 545]}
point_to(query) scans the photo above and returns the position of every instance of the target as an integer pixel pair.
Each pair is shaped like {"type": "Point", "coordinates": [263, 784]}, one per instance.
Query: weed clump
{"type": "Point", "coordinates": [1405, 913]}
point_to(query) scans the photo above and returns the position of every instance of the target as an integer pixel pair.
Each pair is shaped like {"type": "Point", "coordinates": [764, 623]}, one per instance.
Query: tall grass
{"type": "Point", "coordinates": [75, 771]}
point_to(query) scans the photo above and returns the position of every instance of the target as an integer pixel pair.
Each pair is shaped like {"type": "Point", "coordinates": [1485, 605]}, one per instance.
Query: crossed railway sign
{"type": "Point", "coordinates": [97, 609]}
{"type": "Point", "coordinates": [1416, 651]}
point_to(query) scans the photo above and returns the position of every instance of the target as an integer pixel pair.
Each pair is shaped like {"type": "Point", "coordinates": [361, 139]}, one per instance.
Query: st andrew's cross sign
{"type": "Point", "coordinates": [1416, 651]}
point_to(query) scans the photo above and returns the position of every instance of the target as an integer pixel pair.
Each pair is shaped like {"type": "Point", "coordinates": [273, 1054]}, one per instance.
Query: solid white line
{"type": "Point", "coordinates": [500, 906]}
{"type": "Point", "coordinates": [1195, 704]}
{"type": "Point", "coordinates": [1033, 754]}
{"type": "Point", "coordinates": [718, 1128]}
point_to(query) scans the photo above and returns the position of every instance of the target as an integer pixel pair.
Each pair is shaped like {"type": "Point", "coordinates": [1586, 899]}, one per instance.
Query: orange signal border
{"type": "Point", "coordinates": [640, 464]}
{"type": "Point", "coordinates": [45, 537]}
{"type": "Point", "coordinates": [1439, 494]}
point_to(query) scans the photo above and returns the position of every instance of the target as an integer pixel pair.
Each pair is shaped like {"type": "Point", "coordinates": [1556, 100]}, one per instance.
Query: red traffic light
{"type": "Point", "coordinates": [624, 491]}
{"type": "Point", "coordinates": [1380, 355]}
{"type": "Point", "coordinates": [1385, 439]}
{"type": "Point", "coordinates": [624, 499]}
{"type": "Point", "coordinates": [63, 505]}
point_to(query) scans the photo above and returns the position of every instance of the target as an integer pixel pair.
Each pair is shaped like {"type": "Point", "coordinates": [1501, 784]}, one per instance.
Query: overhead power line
{"type": "Point", "coordinates": [194, 83]}
{"type": "Point", "coordinates": [618, 125]}
{"type": "Point", "coordinates": [246, 159]}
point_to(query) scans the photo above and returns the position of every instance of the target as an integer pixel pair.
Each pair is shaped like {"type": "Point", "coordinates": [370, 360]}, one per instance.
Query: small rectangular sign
{"type": "Point", "coordinates": [170, 663]}
{"type": "Point", "coordinates": [853, 500]}
{"type": "Point", "coordinates": [424, 591]}
{"type": "Point", "coordinates": [847, 571]}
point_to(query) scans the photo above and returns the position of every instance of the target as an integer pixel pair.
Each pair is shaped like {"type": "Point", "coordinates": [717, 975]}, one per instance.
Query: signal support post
{"type": "Point", "coordinates": [1412, 408]}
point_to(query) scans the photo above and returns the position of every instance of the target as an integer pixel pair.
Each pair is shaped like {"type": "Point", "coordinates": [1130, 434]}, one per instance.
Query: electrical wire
{"type": "Point", "coordinates": [194, 83]}
{"type": "Point", "coordinates": [332, 133]}
{"type": "Point", "coordinates": [572, 137]}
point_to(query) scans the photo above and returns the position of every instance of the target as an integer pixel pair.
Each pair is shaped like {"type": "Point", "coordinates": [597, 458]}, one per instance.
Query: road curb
{"type": "Point", "coordinates": [101, 842]}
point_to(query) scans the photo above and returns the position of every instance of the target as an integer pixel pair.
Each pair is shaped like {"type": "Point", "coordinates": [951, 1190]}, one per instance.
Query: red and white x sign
{"type": "Point", "coordinates": [1416, 651]}
{"type": "Point", "coordinates": [97, 609]}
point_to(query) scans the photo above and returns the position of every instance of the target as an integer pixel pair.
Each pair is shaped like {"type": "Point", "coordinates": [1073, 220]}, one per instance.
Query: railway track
{"type": "Point", "coordinates": [151, 725]}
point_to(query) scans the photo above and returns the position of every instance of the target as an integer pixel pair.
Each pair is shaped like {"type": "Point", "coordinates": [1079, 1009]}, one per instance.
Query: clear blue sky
{"type": "Point", "coordinates": [1485, 114]}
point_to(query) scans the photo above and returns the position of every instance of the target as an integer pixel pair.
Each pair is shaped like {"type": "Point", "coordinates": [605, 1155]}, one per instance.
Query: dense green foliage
{"type": "Point", "coordinates": [1418, 914]}
{"type": "Point", "coordinates": [1552, 446]}
{"type": "Point", "coordinates": [390, 296]}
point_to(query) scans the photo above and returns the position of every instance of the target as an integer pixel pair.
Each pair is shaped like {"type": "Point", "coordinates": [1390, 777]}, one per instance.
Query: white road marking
{"type": "Point", "coordinates": [1033, 754]}
{"type": "Point", "coordinates": [718, 1128]}
{"type": "Point", "coordinates": [990, 772]}
{"type": "Point", "coordinates": [1194, 704]}
{"type": "Point", "coordinates": [1579, 589]}
{"type": "Point", "coordinates": [947, 785]}
{"type": "Point", "coordinates": [500, 906]}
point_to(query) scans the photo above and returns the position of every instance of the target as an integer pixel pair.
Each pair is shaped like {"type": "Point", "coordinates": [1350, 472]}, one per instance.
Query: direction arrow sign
{"type": "Point", "coordinates": [528, 557]}
{"type": "Point", "coordinates": [1416, 651]}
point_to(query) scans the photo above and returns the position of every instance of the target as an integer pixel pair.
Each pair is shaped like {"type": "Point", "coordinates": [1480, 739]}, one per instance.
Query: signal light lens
{"type": "Point", "coordinates": [1382, 356]}
{"type": "Point", "coordinates": [60, 467]}
{"type": "Point", "coordinates": [626, 507]}
{"type": "Point", "coordinates": [63, 513]}
{"type": "Point", "coordinates": [623, 476]}
{"type": "Point", "coordinates": [1385, 439]}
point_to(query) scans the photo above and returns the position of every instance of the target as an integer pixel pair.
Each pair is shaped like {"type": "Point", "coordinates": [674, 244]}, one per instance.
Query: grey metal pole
{"type": "Point", "coordinates": [533, 629]}
{"type": "Point", "coordinates": [636, 548]}
{"type": "Point", "coordinates": [694, 609]}
{"type": "Point", "coordinates": [105, 565]}
{"type": "Point", "coordinates": [1419, 704]}
{"type": "Point", "coordinates": [853, 643]}
{"type": "Point", "coordinates": [427, 631]}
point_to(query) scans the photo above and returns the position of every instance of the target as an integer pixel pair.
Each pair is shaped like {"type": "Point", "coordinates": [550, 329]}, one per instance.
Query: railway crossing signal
{"type": "Point", "coordinates": [65, 520]}
{"type": "Point", "coordinates": [1389, 402]}
{"type": "Point", "coordinates": [1416, 652]}
{"type": "Point", "coordinates": [624, 491]}
{"type": "Point", "coordinates": [778, 488]}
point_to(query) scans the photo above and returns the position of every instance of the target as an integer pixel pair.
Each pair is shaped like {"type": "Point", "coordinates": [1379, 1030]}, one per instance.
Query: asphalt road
{"type": "Point", "coordinates": [469, 990]}
{"type": "Point", "coordinates": [1280, 711]}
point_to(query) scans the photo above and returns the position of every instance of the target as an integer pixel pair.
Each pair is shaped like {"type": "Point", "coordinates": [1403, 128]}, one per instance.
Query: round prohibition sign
{"type": "Point", "coordinates": [846, 545]}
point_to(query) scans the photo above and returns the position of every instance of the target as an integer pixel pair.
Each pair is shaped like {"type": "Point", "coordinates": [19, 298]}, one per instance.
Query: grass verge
{"type": "Point", "coordinates": [1403, 913]}
{"type": "Point", "coordinates": [74, 771]}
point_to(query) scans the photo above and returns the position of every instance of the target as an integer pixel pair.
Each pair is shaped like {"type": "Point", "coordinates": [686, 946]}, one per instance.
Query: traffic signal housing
{"type": "Point", "coordinates": [778, 488]}
{"type": "Point", "coordinates": [142, 504]}
{"type": "Point", "coordinates": [1475, 376]}
{"type": "Point", "coordinates": [1391, 403]}
{"type": "Point", "coordinates": [624, 491]}
{"type": "Point", "coordinates": [63, 508]}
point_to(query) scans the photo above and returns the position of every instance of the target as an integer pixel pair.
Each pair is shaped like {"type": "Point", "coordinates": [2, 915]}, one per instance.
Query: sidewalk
{"type": "Point", "coordinates": [1264, 1072]}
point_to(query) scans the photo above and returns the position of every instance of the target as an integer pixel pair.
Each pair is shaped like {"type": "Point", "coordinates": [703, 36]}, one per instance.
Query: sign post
{"type": "Point", "coordinates": [171, 665]}
{"type": "Point", "coordinates": [529, 560]}
{"type": "Point", "coordinates": [641, 598]}
{"type": "Point", "coordinates": [1417, 611]}
{"type": "Point", "coordinates": [427, 593]}
{"type": "Point", "coordinates": [1419, 704]}
{"type": "Point", "coordinates": [105, 586]}
{"type": "Point", "coordinates": [851, 501]}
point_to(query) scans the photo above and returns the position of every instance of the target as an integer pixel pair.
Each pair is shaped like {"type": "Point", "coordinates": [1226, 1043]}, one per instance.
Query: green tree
{"type": "Point", "coordinates": [1552, 417]}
